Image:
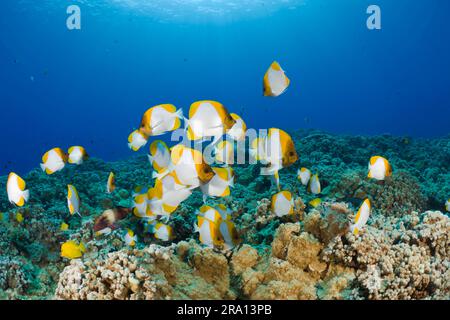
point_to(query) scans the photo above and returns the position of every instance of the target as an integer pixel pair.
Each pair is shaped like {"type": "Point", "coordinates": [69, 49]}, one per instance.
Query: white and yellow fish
{"type": "Point", "coordinates": [188, 167]}
{"type": "Point", "coordinates": [208, 119]}
{"type": "Point", "coordinates": [220, 184]}
{"type": "Point", "coordinates": [314, 184]}
{"type": "Point", "coordinates": [379, 168]}
{"type": "Point", "coordinates": [171, 192]}
{"type": "Point", "coordinates": [111, 184]}
{"type": "Point", "coordinates": [224, 152]}
{"type": "Point", "coordinates": [447, 205]}
{"type": "Point", "coordinates": [361, 217]}
{"type": "Point", "coordinates": [257, 149]}
{"type": "Point", "coordinates": [282, 203]}
{"type": "Point", "coordinates": [136, 140]}
{"type": "Point", "coordinates": [224, 211]}
{"type": "Point", "coordinates": [53, 160]}
{"type": "Point", "coordinates": [275, 81]}
{"type": "Point", "coordinates": [229, 234]}
{"type": "Point", "coordinates": [140, 203]}
{"type": "Point", "coordinates": [130, 238]}
{"type": "Point", "coordinates": [279, 151]}
{"type": "Point", "coordinates": [239, 129]}
{"type": "Point", "coordinates": [159, 156]}
{"type": "Point", "coordinates": [209, 233]}
{"type": "Point", "coordinates": [15, 188]}
{"type": "Point", "coordinates": [155, 211]}
{"type": "Point", "coordinates": [163, 232]}
{"type": "Point", "coordinates": [209, 213]}
{"type": "Point", "coordinates": [304, 175]}
{"type": "Point", "coordinates": [73, 200]}
{"type": "Point", "coordinates": [77, 155]}
{"type": "Point", "coordinates": [140, 190]}
{"type": "Point", "coordinates": [160, 119]}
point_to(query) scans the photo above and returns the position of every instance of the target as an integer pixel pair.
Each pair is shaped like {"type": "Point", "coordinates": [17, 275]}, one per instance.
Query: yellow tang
{"type": "Point", "coordinates": [315, 202]}
{"type": "Point", "coordinates": [71, 250]}
{"type": "Point", "coordinates": [19, 217]}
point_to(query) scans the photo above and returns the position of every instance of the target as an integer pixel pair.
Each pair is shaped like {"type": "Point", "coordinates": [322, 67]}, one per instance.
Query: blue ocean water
{"type": "Point", "coordinates": [90, 87]}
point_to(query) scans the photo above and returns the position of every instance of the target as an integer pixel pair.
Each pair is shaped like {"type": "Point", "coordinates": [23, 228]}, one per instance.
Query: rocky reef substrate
{"type": "Point", "coordinates": [403, 253]}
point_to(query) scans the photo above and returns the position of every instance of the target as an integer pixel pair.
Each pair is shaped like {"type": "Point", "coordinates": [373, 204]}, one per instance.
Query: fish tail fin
{"type": "Point", "coordinates": [179, 113]}
{"type": "Point", "coordinates": [231, 182]}
{"type": "Point", "coordinates": [269, 171]}
{"type": "Point", "coordinates": [196, 228]}
{"type": "Point", "coordinates": [159, 176]}
{"type": "Point", "coordinates": [354, 229]}
{"type": "Point", "coordinates": [26, 195]}
{"type": "Point", "coordinates": [165, 218]}
{"type": "Point", "coordinates": [186, 123]}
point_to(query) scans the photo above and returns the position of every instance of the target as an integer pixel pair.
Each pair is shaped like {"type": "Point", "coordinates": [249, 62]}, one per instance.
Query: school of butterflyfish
{"type": "Point", "coordinates": [179, 170]}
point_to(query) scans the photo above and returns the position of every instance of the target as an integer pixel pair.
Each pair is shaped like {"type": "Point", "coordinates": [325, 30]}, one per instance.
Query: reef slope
{"type": "Point", "coordinates": [403, 253]}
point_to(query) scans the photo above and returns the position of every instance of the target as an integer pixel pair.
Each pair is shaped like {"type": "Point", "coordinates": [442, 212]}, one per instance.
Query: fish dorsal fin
{"type": "Point", "coordinates": [373, 160]}
{"type": "Point", "coordinates": [276, 66]}
{"type": "Point", "coordinates": [20, 183]}
{"type": "Point", "coordinates": [169, 107]}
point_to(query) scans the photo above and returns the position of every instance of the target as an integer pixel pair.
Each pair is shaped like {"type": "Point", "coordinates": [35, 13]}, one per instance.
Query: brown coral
{"type": "Point", "coordinates": [153, 273]}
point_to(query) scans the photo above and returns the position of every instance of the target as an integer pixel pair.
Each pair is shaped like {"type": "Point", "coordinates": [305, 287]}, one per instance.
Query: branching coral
{"type": "Point", "coordinates": [153, 273]}
{"type": "Point", "coordinates": [411, 264]}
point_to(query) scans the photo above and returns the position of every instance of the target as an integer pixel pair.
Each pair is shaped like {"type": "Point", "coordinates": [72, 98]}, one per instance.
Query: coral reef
{"type": "Point", "coordinates": [409, 262]}
{"type": "Point", "coordinates": [152, 273]}
{"type": "Point", "coordinates": [402, 253]}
